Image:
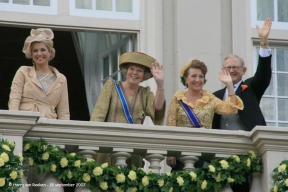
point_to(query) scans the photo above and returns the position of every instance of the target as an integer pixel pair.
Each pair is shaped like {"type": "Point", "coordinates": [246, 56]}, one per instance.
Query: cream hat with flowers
{"type": "Point", "coordinates": [137, 58]}
{"type": "Point", "coordinates": [37, 35]}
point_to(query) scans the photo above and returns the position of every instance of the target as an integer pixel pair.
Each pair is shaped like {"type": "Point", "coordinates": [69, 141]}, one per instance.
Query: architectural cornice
{"type": "Point", "coordinates": [267, 138]}
{"type": "Point", "coordinates": [17, 123]}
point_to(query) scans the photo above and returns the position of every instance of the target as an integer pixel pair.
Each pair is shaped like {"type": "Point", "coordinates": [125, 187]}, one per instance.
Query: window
{"type": "Point", "coordinates": [274, 103]}
{"type": "Point", "coordinates": [111, 9]}
{"type": "Point", "coordinates": [98, 55]}
{"type": "Point", "coordinates": [30, 6]}
{"type": "Point", "coordinates": [109, 59]}
{"type": "Point", "coordinates": [277, 10]}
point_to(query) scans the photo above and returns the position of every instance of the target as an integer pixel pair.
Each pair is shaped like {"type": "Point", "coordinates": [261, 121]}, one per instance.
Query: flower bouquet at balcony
{"type": "Point", "coordinates": [280, 177]}
{"type": "Point", "coordinates": [10, 167]}
{"type": "Point", "coordinates": [220, 173]}
{"type": "Point", "coordinates": [232, 170]}
{"type": "Point", "coordinates": [192, 181]}
{"type": "Point", "coordinates": [255, 163]}
{"type": "Point", "coordinates": [96, 177]}
{"type": "Point", "coordinates": [48, 158]}
{"type": "Point", "coordinates": [115, 178]}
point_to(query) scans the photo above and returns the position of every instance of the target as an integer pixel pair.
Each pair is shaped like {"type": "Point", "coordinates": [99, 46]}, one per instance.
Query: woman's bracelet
{"type": "Point", "coordinates": [264, 43]}
{"type": "Point", "coordinates": [232, 95]}
{"type": "Point", "coordinates": [160, 89]}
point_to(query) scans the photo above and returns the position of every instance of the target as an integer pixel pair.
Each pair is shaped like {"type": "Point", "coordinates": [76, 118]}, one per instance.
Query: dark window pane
{"type": "Point", "coordinates": [115, 64]}
{"type": "Point", "coordinates": [124, 6]}
{"type": "Point", "coordinates": [105, 67]}
{"type": "Point", "coordinates": [282, 11]}
{"type": "Point", "coordinates": [42, 3]}
{"type": "Point", "coordinates": [268, 108]}
{"type": "Point", "coordinates": [104, 5]}
{"type": "Point", "coordinates": [265, 8]}
{"type": "Point", "coordinates": [83, 4]}
{"type": "Point", "coordinates": [282, 84]}
{"type": "Point", "coordinates": [283, 109]}
{"type": "Point", "coordinates": [282, 60]}
{"type": "Point", "coordinates": [22, 2]}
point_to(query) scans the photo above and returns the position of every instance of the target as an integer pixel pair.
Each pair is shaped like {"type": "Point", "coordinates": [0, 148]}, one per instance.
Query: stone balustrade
{"type": "Point", "coordinates": [152, 142]}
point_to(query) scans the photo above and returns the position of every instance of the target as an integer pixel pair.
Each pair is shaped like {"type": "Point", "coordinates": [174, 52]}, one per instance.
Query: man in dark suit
{"type": "Point", "coordinates": [250, 91]}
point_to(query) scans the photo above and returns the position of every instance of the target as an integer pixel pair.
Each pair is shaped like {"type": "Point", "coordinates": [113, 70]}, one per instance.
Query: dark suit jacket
{"type": "Point", "coordinates": [251, 115]}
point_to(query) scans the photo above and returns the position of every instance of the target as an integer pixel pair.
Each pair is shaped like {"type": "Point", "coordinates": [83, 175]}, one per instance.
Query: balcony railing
{"type": "Point", "coordinates": [270, 143]}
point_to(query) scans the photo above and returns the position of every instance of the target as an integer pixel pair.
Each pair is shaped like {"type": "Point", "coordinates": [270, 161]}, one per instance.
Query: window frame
{"type": "Point", "coordinates": [128, 41]}
{"type": "Point", "coordinates": [51, 10]}
{"type": "Point", "coordinates": [275, 95]}
{"type": "Point", "coordinates": [276, 24]}
{"type": "Point", "coordinates": [134, 15]}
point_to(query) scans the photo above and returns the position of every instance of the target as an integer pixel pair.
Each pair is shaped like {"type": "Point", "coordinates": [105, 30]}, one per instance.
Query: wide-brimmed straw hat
{"type": "Point", "coordinates": [37, 35]}
{"type": "Point", "coordinates": [136, 58]}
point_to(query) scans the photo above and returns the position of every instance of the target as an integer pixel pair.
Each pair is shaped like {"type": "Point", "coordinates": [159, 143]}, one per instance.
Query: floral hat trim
{"type": "Point", "coordinates": [184, 68]}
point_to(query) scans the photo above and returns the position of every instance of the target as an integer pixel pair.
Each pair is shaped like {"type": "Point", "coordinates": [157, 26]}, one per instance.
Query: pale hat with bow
{"type": "Point", "coordinates": [41, 35]}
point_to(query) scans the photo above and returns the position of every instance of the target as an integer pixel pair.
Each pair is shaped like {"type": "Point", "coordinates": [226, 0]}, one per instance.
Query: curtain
{"type": "Point", "coordinates": [88, 46]}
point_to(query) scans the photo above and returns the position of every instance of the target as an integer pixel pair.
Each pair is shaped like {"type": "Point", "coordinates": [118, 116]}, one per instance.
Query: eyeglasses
{"type": "Point", "coordinates": [235, 68]}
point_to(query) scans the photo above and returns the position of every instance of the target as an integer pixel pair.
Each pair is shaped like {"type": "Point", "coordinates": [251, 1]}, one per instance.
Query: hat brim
{"type": "Point", "coordinates": [137, 58]}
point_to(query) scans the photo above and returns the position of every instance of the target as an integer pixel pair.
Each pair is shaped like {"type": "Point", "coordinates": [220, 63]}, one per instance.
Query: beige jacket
{"type": "Point", "coordinates": [27, 94]}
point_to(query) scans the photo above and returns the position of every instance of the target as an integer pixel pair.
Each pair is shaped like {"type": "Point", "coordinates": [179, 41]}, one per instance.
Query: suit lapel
{"type": "Point", "coordinates": [57, 83]}
{"type": "Point", "coordinates": [33, 77]}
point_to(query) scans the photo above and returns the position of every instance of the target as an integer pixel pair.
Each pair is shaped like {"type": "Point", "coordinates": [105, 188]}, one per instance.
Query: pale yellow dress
{"type": "Point", "coordinates": [108, 108]}
{"type": "Point", "coordinates": [204, 109]}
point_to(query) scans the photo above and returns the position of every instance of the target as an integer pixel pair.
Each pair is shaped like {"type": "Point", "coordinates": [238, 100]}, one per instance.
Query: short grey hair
{"type": "Point", "coordinates": [241, 60]}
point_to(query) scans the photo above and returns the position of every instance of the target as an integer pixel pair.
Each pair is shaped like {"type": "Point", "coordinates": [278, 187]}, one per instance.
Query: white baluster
{"type": "Point", "coordinates": [51, 184]}
{"type": "Point", "coordinates": [25, 187]}
{"type": "Point", "coordinates": [256, 182]}
{"type": "Point", "coordinates": [121, 155]}
{"type": "Point", "coordinates": [155, 157]}
{"type": "Point", "coordinates": [188, 162]}
{"type": "Point", "coordinates": [82, 189]}
{"type": "Point", "coordinates": [87, 154]}
{"type": "Point", "coordinates": [226, 189]}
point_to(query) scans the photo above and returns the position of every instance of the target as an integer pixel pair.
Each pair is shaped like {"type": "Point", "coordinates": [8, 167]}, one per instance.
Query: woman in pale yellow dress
{"type": "Point", "coordinates": [203, 103]}
{"type": "Point", "coordinates": [141, 102]}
